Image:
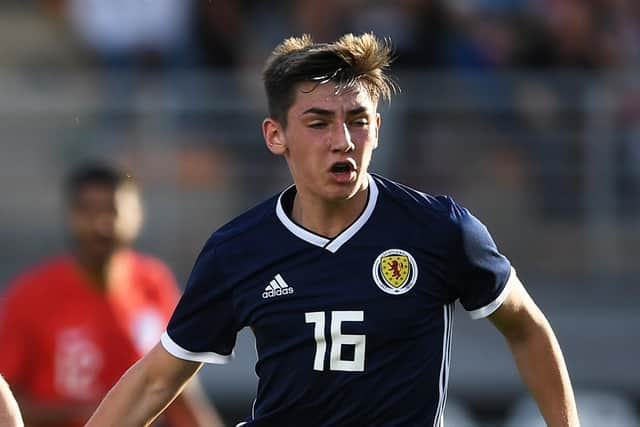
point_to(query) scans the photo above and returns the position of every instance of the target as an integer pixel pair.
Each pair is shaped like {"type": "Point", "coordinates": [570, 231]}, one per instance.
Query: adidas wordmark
{"type": "Point", "coordinates": [277, 287]}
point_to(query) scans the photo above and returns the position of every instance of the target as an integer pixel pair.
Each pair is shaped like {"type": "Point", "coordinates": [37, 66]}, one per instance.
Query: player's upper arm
{"type": "Point", "coordinates": [170, 371]}
{"type": "Point", "coordinates": [518, 314]}
{"type": "Point", "coordinates": [145, 390]}
{"type": "Point", "coordinates": [9, 411]}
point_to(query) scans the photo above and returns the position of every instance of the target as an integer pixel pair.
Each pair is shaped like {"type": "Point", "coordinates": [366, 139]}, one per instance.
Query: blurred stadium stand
{"type": "Point", "coordinates": [596, 408]}
{"type": "Point", "coordinates": [538, 138]}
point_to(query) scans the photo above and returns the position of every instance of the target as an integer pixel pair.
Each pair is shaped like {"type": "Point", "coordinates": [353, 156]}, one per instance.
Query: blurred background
{"type": "Point", "coordinates": [526, 112]}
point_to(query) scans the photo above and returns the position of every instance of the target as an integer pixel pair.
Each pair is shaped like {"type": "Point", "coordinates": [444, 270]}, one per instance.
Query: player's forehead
{"type": "Point", "coordinates": [100, 194]}
{"type": "Point", "coordinates": [94, 190]}
{"type": "Point", "coordinates": [310, 95]}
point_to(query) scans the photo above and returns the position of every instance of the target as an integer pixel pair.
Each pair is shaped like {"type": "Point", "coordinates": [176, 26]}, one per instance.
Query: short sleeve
{"type": "Point", "coordinates": [203, 327]}
{"type": "Point", "coordinates": [480, 271]}
{"type": "Point", "coordinates": [15, 338]}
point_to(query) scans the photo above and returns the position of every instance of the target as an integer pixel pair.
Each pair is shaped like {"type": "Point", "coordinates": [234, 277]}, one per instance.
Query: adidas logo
{"type": "Point", "coordinates": [277, 287]}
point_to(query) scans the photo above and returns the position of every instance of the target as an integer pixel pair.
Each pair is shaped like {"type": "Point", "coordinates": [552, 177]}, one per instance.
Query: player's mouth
{"type": "Point", "coordinates": [344, 172]}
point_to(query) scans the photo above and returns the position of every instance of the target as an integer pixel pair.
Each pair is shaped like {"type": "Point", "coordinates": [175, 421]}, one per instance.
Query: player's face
{"type": "Point", "coordinates": [328, 141]}
{"type": "Point", "coordinates": [101, 219]}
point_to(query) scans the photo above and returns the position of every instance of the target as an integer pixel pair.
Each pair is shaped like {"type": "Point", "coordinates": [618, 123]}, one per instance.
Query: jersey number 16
{"type": "Point", "coordinates": [338, 339]}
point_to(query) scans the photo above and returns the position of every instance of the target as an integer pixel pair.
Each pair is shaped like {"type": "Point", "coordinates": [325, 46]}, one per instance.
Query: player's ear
{"type": "Point", "coordinates": [377, 130]}
{"type": "Point", "coordinates": [274, 136]}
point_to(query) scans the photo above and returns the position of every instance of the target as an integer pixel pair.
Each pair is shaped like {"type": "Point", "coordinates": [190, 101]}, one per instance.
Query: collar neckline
{"type": "Point", "coordinates": [333, 244]}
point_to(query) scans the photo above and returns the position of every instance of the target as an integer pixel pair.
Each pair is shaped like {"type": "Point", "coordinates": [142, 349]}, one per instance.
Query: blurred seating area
{"type": "Point", "coordinates": [527, 112]}
{"type": "Point", "coordinates": [596, 408]}
{"type": "Point", "coordinates": [230, 34]}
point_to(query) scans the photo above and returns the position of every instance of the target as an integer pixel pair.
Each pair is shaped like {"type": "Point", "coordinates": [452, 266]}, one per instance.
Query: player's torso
{"type": "Point", "coordinates": [360, 330]}
{"type": "Point", "coordinates": [86, 339]}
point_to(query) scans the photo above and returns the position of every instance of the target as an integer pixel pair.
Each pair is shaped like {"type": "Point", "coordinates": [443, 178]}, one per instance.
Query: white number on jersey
{"type": "Point", "coordinates": [338, 340]}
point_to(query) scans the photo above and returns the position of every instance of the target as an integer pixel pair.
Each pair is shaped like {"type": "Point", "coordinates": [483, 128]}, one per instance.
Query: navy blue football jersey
{"type": "Point", "coordinates": [350, 331]}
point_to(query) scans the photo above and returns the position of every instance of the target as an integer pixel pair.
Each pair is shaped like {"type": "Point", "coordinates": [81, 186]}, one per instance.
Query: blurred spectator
{"type": "Point", "coordinates": [122, 32]}
{"type": "Point", "coordinates": [620, 31]}
{"type": "Point", "coordinates": [72, 325]}
{"type": "Point", "coordinates": [418, 29]}
{"type": "Point", "coordinates": [485, 43]}
{"type": "Point", "coordinates": [324, 20]}
{"type": "Point", "coordinates": [587, 34]}
{"type": "Point", "coordinates": [590, 35]}
{"type": "Point", "coordinates": [136, 48]}
{"type": "Point", "coordinates": [217, 28]}
{"type": "Point", "coordinates": [567, 38]}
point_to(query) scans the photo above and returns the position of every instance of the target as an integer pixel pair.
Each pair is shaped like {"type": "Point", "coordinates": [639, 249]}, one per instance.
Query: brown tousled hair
{"type": "Point", "coordinates": [351, 61]}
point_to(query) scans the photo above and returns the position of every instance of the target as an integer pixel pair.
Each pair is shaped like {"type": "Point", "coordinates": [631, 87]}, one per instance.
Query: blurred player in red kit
{"type": "Point", "coordinates": [72, 325]}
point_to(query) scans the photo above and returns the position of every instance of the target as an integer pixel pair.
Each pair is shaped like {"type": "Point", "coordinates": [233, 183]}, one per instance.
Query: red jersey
{"type": "Point", "coordinates": [65, 341]}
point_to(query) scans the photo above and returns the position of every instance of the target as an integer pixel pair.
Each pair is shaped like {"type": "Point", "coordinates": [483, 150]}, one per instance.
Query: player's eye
{"type": "Point", "coordinates": [316, 124]}
{"type": "Point", "coordinates": [363, 121]}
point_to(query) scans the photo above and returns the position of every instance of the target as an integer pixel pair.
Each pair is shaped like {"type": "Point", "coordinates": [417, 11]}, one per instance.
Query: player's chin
{"type": "Point", "coordinates": [342, 191]}
{"type": "Point", "coordinates": [100, 249]}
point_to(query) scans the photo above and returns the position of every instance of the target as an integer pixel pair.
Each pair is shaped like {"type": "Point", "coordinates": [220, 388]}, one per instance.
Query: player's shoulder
{"type": "Point", "coordinates": [421, 205]}
{"type": "Point", "coordinates": [247, 226]}
{"type": "Point", "coordinates": [142, 264]}
{"type": "Point", "coordinates": [40, 278]}
{"type": "Point", "coordinates": [143, 261]}
{"type": "Point", "coordinates": [147, 276]}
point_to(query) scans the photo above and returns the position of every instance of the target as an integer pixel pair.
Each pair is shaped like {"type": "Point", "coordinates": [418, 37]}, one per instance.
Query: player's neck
{"type": "Point", "coordinates": [327, 218]}
{"type": "Point", "coordinates": [96, 270]}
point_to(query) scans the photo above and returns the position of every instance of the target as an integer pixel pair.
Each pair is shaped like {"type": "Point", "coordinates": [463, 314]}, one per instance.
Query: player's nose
{"type": "Point", "coordinates": [341, 139]}
{"type": "Point", "coordinates": [103, 223]}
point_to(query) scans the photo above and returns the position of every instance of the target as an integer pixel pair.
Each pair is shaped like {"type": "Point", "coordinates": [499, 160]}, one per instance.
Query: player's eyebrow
{"type": "Point", "coordinates": [357, 111]}
{"type": "Point", "coordinates": [323, 112]}
{"type": "Point", "coordinates": [318, 111]}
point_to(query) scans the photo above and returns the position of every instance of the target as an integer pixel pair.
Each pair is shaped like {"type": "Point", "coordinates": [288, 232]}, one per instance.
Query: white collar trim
{"type": "Point", "coordinates": [332, 245]}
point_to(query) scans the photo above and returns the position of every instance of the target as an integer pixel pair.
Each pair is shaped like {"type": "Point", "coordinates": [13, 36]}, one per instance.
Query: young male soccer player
{"type": "Point", "coordinates": [72, 325]}
{"type": "Point", "coordinates": [9, 411]}
{"type": "Point", "coordinates": [347, 279]}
